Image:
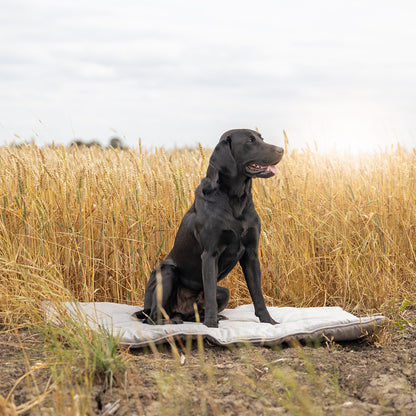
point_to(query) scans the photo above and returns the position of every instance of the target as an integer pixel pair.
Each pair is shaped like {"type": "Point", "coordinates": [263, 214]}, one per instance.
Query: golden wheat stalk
{"type": "Point", "coordinates": [92, 223]}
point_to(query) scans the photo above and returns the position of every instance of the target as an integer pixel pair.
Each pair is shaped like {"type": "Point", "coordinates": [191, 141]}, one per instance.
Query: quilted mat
{"type": "Point", "coordinates": [240, 325]}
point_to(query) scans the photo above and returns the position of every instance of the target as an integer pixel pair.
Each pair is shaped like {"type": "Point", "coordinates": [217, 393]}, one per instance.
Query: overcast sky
{"type": "Point", "coordinates": [338, 73]}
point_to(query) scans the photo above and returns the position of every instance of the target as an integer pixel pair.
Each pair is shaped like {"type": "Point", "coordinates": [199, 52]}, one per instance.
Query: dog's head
{"type": "Point", "coordinates": [244, 152]}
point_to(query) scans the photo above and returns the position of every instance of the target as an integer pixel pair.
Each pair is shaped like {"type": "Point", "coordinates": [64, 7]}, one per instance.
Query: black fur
{"type": "Point", "coordinates": [220, 229]}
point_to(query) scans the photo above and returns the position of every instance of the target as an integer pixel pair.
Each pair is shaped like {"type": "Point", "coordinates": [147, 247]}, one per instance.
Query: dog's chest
{"type": "Point", "coordinates": [238, 239]}
{"type": "Point", "coordinates": [239, 235]}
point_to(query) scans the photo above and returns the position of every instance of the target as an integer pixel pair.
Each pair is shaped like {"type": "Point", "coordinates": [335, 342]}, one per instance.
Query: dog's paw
{"type": "Point", "coordinates": [267, 319]}
{"type": "Point", "coordinates": [141, 314]}
{"type": "Point", "coordinates": [144, 317]}
{"type": "Point", "coordinates": [211, 324]}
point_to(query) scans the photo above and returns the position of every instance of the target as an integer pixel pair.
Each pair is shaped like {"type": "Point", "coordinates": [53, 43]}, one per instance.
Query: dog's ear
{"type": "Point", "coordinates": [222, 161]}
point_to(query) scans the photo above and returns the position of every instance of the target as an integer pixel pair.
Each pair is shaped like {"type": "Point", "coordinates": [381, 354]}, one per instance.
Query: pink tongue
{"type": "Point", "coordinates": [272, 169]}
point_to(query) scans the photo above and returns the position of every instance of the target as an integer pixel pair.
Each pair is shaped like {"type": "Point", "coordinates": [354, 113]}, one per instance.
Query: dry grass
{"type": "Point", "coordinates": [90, 224]}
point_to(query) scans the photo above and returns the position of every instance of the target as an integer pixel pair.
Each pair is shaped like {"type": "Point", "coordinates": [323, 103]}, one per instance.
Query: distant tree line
{"type": "Point", "coordinates": [115, 143]}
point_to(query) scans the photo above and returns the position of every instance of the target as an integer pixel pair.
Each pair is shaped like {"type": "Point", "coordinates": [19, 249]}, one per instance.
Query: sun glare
{"type": "Point", "coordinates": [352, 132]}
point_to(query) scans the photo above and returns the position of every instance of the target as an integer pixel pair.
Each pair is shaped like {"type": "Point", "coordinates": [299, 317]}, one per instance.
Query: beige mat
{"type": "Point", "coordinates": [241, 325]}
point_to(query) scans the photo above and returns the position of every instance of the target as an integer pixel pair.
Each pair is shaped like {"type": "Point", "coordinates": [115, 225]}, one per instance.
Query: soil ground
{"type": "Point", "coordinates": [368, 377]}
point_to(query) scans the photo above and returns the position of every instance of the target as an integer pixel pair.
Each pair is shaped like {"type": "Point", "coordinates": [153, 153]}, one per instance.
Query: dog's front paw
{"type": "Point", "coordinates": [267, 319]}
{"type": "Point", "coordinates": [211, 323]}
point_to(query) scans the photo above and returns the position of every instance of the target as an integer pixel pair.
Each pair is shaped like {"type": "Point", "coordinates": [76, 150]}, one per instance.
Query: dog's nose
{"type": "Point", "coordinates": [279, 150]}
{"type": "Point", "coordinates": [279, 153]}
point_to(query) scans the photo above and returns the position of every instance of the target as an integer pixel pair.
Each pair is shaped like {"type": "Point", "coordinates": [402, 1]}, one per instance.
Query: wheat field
{"type": "Point", "coordinates": [91, 223]}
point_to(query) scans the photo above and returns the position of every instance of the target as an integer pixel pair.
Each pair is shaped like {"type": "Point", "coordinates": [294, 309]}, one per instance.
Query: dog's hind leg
{"type": "Point", "coordinates": [148, 297]}
{"type": "Point", "coordinates": [165, 280]}
{"type": "Point", "coordinates": [158, 293]}
{"type": "Point", "coordinates": [223, 296]}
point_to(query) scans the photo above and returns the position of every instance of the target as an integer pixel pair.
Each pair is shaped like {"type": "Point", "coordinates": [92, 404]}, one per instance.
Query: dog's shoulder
{"type": "Point", "coordinates": [207, 188]}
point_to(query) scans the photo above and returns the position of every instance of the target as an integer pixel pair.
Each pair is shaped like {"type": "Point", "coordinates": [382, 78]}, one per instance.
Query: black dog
{"type": "Point", "coordinates": [220, 229]}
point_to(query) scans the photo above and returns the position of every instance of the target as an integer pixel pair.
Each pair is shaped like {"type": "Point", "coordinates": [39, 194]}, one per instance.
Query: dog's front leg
{"type": "Point", "coordinates": [209, 278]}
{"type": "Point", "coordinates": [251, 269]}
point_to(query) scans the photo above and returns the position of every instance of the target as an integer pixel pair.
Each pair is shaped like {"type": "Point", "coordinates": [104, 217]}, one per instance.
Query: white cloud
{"type": "Point", "coordinates": [180, 71]}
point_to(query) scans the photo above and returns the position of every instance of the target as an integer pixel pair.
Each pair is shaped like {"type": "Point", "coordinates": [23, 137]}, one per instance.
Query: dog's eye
{"type": "Point", "coordinates": [252, 139]}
